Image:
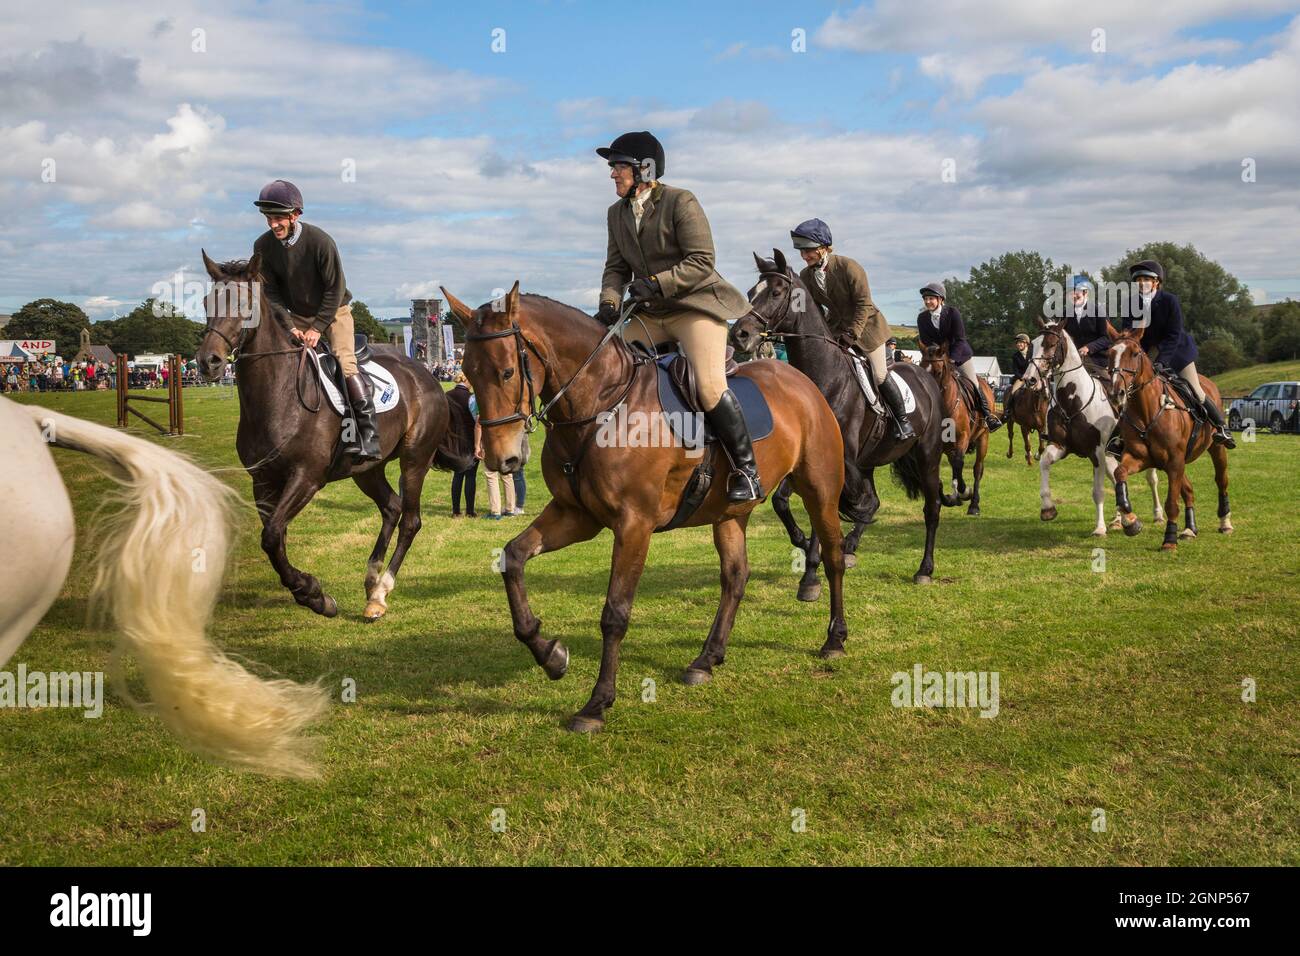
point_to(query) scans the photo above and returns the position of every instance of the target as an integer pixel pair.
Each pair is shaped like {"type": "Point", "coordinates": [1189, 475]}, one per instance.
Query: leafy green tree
{"type": "Point", "coordinates": [1002, 297]}
{"type": "Point", "coordinates": [1218, 355]}
{"type": "Point", "coordinates": [49, 319]}
{"type": "Point", "coordinates": [101, 332]}
{"type": "Point", "coordinates": [1281, 335]}
{"type": "Point", "coordinates": [154, 326]}
{"type": "Point", "coordinates": [366, 324]}
{"type": "Point", "coordinates": [1214, 301]}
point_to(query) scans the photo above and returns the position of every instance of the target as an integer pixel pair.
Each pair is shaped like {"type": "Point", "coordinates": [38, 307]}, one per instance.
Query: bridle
{"type": "Point", "coordinates": [528, 395]}
{"type": "Point", "coordinates": [1131, 388]}
{"type": "Point", "coordinates": [765, 322]}
{"type": "Point", "coordinates": [1051, 373]}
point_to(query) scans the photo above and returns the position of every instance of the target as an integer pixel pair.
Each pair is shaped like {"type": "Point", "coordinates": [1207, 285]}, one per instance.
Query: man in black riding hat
{"type": "Point", "coordinates": [839, 287]}
{"type": "Point", "coordinates": [661, 251]}
{"type": "Point", "coordinates": [303, 275]}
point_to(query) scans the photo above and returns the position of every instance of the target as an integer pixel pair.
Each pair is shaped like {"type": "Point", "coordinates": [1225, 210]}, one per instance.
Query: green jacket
{"type": "Point", "coordinates": [675, 246]}
{"type": "Point", "coordinates": [847, 302]}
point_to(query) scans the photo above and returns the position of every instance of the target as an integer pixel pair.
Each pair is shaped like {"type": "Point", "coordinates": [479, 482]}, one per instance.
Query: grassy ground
{"type": "Point", "coordinates": [1243, 381]}
{"type": "Point", "coordinates": [1120, 691]}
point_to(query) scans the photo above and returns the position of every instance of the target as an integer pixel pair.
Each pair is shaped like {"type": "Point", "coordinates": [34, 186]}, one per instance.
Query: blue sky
{"type": "Point", "coordinates": [475, 168]}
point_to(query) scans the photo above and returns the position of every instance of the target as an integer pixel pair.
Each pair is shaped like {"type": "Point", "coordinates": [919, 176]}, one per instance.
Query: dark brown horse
{"type": "Point", "coordinates": [964, 426]}
{"type": "Point", "coordinates": [1159, 432]}
{"type": "Point", "coordinates": [288, 432]}
{"type": "Point", "coordinates": [1026, 407]}
{"type": "Point", "coordinates": [524, 348]}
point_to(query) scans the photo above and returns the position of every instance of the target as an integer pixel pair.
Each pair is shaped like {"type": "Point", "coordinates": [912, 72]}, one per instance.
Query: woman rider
{"type": "Point", "coordinates": [661, 251]}
{"type": "Point", "coordinates": [940, 324]}
{"type": "Point", "coordinates": [839, 286]}
{"type": "Point", "coordinates": [1165, 335]}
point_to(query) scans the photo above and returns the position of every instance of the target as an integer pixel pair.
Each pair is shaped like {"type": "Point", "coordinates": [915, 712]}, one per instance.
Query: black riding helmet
{"type": "Point", "coordinates": [640, 151]}
{"type": "Point", "coordinates": [279, 196]}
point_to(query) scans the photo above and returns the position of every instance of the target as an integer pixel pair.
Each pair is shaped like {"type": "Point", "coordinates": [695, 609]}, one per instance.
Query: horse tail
{"type": "Point", "coordinates": [456, 450]}
{"type": "Point", "coordinates": [907, 472]}
{"type": "Point", "coordinates": [158, 575]}
{"type": "Point", "coordinates": [853, 505]}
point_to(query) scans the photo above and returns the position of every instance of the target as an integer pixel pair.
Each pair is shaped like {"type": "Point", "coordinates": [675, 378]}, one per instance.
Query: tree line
{"type": "Point", "coordinates": [152, 327]}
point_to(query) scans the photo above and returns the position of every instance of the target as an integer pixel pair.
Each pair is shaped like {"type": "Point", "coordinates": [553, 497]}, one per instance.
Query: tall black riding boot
{"type": "Point", "coordinates": [728, 421]}
{"type": "Point", "coordinates": [991, 421]}
{"type": "Point", "coordinates": [893, 396]}
{"type": "Point", "coordinates": [1221, 434]}
{"type": "Point", "coordinates": [365, 443]}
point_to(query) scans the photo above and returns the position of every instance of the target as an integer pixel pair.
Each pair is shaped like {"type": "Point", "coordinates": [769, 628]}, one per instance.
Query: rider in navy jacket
{"type": "Point", "coordinates": [941, 324]}
{"type": "Point", "coordinates": [1086, 324]}
{"type": "Point", "coordinates": [1166, 335]}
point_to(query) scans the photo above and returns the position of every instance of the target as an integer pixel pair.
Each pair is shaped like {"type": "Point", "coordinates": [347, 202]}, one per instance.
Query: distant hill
{"type": "Point", "coordinates": [1242, 381]}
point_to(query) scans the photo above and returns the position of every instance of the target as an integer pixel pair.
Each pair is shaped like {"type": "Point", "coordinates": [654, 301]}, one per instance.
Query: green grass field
{"type": "Point", "coordinates": [1243, 381]}
{"type": "Point", "coordinates": [1121, 690]}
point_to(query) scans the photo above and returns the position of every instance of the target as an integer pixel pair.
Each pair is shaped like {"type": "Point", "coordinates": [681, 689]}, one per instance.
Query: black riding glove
{"type": "Point", "coordinates": [607, 313]}
{"type": "Point", "coordinates": [644, 288]}
{"type": "Point", "coordinates": [847, 340]}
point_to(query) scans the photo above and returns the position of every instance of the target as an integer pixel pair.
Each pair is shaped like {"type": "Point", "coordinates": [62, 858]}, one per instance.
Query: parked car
{"type": "Point", "coordinates": [1275, 405]}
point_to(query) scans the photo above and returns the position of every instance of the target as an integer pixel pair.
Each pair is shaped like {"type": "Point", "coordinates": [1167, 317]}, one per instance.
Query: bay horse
{"type": "Point", "coordinates": [1159, 432]}
{"type": "Point", "coordinates": [1027, 408]}
{"type": "Point", "coordinates": [780, 309]}
{"type": "Point", "coordinates": [1080, 420]}
{"type": "Point", "coordinates": [158, 573]}
{"type": "Point", "coordinates": [963, 429]}
{"type": "Point", "coordinates": [521, 349]}
{"type": "Point", "coordinates": [287, 444]}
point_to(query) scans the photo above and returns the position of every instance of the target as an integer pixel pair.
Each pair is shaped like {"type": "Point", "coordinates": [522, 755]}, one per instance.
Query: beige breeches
{"type": "Point", "coordinates": [339, 335]}
{"type": "Point", "coordinates": [703, 340]}
{"type": "Point", "coordinates": [1191, 378]}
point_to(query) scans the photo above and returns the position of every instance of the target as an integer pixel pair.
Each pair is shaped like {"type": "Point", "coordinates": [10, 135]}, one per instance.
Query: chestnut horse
{"type": "Point", "coordinates": [1159, 432]}
{"type": "Point", "coordinates": [1026, 407]}
{"type": "Point", "coordinates": [963, 427]}
{"type": "Point", "coordinates": [286, 443]}
{"type": "Point", "coordinates": [527, 347]}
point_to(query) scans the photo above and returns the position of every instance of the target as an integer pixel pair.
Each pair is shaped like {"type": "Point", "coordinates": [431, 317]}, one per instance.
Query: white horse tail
{"type": "Point", "coordinates": [159, 574]}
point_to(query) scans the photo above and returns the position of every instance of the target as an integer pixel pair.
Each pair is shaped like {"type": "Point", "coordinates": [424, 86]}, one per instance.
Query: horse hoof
{"type": "Point", "coordinates": [1099, 532]}
{"type": "Point", "coordinates": [373, 612]}
{"type": "Point", "coordinates": [831, 653]}
{"type": "Point", "coordinates": [1133, 529]}
{"type": "Point", "coordinates": [850, 561]}
{"type": "Point", "coordinates": [1227, 529]}
{"type": "Point", "coordinates": [973, 510]}
{"type": "Point", "coordinates": [810, 592]}
{"type": "Point", "coordinates": [328, 606]}
{"type": "Point", "coordinates": [586, 725]}
{"type": "Point", "coordinates": [1187, 533]}
{"type": "Point", "coordinates": [1169, 546]}
{"type": "Point", "coordinates": [1048, 514]}
{"type": "Point", "coordinates": [950, 502]}
{"type": "Point", "coordinates": [557, 664]}
{"type": "Point", "coordinates": [922, 579]}
{"type": "Point", "coordinates": [694, 677]}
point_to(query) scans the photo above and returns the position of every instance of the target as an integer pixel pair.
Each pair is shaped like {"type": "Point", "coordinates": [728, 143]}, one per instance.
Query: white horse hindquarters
{"type": "Point", "coordinates": [35, 508]}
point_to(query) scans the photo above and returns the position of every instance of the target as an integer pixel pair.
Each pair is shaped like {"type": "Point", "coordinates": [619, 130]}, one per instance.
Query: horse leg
{"type": "Point", "coordinates": [874, 504]}
{"type": "Point", "coordinates": [851, 544]}
{"type": "Point", "coordinates": [1046, 504]}
{"type": "Point", "coordinates": [631, 543]}
{"type": "Point", "coordinates": [981, 450]}
{"type": "Point", "coordinates": [822, 502]}
{"type": "Point", "coordinates": [810, 586]}
{"type": "Point", "coordinates": [414, 470]}
{"type": "Point", "coordinates": [1099, 490]}
{"type": "Point", "coordinates": [1153, 481]}
{"type": "Point", "coordinates": [1011, 435]}
{"type": "Point", "coordinates": [1219, 455]}
{"type": "Point", "coordinates": [1024, 434]}
{"type": "Point", "coordinates": [1128, 520]}
{"type": "Point", "coordinates": [1174, 492]}
{"type": "Point", "coordinates": [376, 487]}
{"type": "Point", "coordinates": [729, 539]}
{"type": "Point", "coordinates": [1189, 513]}
{"type": "Point", "coordinates": [954, 459]}
{"type": "Point", "coordinates": [554, 528]}
{"type": "Point", "coordinates": [781, 505]}
{"type": "Point", "coordinates": [932, 487]}
{"type": "Point", "coordinates": [292, 498]}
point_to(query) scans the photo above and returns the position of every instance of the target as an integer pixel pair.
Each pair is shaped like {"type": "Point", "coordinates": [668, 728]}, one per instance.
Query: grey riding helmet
{"type": "Point", "coordinates": [279, 196]}
{"type": "Point", "coordinates": [934, 288]}
{"type": "Point", "coordinates": [811, 234]}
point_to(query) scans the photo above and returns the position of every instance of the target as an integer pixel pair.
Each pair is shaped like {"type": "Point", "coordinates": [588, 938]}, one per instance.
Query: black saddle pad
{"type": "Point", "coordinates": [758, 416]}
{"type": "Point", "coordinates": [1184, 391]}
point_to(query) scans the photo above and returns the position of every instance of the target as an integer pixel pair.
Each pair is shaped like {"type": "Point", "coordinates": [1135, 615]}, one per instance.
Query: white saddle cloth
{"type": "Point", "coordinates": [382, 384]}
{"type": "Point", "coordinates": [864, 382]}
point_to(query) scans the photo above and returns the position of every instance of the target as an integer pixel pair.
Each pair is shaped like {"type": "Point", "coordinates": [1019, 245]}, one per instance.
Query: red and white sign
{"type": "Point", "coordinates": [36, 346]}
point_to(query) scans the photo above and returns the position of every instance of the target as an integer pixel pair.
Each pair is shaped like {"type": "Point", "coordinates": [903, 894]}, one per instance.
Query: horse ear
{"type": "Point", "coordinates": [512, 299]}
{"type": "Point", "coordinates": [779, 256]}
{"type": "Point", "coordinates": [1111, 332]}
{"type": "Point", "coordinates": [458, 308]}
{"type": "Point", "coordinates": [1042, 323]}
{"type": "Point", "coordinates": [758, 262]}
{"type": "Point", "coordinates": [254, 267]}
{"type": "Point", "coordinates": [214, 270]}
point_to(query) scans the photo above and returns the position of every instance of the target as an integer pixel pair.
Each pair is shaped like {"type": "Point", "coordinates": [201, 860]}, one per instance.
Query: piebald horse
{"type": "Point", "coordinates": [1080, 420]}
{"type": "Point", "coordinates": [522, 349]}
{"type": "Point", "coordinates": [158, 573]}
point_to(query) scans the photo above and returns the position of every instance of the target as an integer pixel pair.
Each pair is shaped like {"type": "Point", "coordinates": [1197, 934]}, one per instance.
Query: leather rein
{"type": "Point", "coordinates": [237, 353]}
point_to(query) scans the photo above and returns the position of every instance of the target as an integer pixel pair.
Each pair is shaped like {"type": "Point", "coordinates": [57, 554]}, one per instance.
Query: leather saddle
{"type": "Point", "coordinates": [1183, 389]}
{"type": "Point", "coordinates": [329, 362]}
{"type": "Point", "coordinates": [680, 400]}
{"type": "Point", "coordinates": [967, 392]}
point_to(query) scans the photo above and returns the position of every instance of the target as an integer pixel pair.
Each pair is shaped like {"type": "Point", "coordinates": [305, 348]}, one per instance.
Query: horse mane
{"type": "Point", "coordinates": [555, 302]}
